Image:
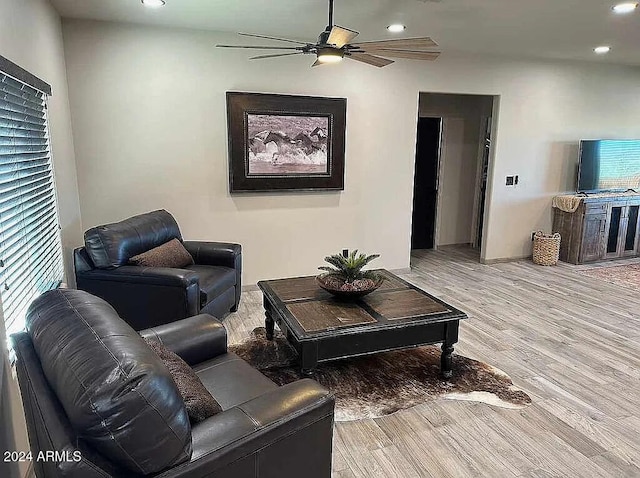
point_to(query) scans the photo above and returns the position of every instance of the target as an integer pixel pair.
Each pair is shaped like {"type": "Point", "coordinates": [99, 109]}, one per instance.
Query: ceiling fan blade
{"type": "Point", "coordinates": [254, 47]}
{"type": "Point", "coordinates": [274, 56]}
{"type": "Point", "coordinates": [409, 54]}
{"type": "Point", "coordinates": [272, 38]}
{"type": "Point", "coordinates": [399, 43]}
{"type": "Point", "coordinates": [340, 36]}
{"type": "Point", "coordinates": [370, 59]}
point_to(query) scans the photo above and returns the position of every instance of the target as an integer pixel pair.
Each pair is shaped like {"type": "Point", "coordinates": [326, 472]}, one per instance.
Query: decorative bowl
{"type": "Point", "coordinates": [359, 288]}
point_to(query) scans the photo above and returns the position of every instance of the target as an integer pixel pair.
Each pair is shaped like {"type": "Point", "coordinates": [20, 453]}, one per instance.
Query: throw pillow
{"type": "Point", "coordinates": [169, 254]}
{"type": "Point", "coordinates": [198, 401]}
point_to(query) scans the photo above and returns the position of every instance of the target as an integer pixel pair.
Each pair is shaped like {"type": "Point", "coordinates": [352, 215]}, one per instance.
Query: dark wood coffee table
{"type": "Point", "coordinates": [321, 328]}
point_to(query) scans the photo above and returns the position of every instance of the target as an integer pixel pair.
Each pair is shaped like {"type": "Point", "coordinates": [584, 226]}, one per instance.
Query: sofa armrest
{"type": "Point", "coordinates": [145, 296]}
{"type": "Point", "coordinates": [224, 254]}
{"type": "Point", "coordinates": [300, 403]}
{"type": "Point", "coordinates": [144, 275]}
{"type": "Point", "coordinates": [195, 339]}
{"type": "Point", "coordinates": [215, 253]}
{"type": "Point", "coordinates": [301, 411]}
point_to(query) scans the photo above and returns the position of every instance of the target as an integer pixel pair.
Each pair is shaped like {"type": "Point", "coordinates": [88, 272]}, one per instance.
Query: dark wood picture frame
{"type": "Point", "coordinates": [248, 174]}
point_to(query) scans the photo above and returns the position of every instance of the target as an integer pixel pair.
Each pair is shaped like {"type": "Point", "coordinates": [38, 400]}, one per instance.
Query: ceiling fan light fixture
{"type": "Point", "coordinates": [396, 28]}
{"type": "Point", "coordinates": [336, 43]}
{"type": "Point", "coordinates": [153, 3]}
{"type": "Point", "coordinates": [330, 55]}
{"type": "Point", "coordinates": [626, 7]}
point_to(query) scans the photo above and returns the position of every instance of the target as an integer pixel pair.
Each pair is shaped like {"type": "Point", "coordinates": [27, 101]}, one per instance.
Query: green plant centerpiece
{"type": "Point", "coordinates": [345, 277]}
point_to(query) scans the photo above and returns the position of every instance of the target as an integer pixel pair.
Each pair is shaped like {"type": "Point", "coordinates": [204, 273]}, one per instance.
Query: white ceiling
{"type": "Point", "coordinates": [561, 29]}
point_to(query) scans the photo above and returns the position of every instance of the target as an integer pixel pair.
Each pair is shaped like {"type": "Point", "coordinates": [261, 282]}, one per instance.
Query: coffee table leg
{"type": "Point", "coordinates": [309, 359]}
{"type": "Point", "coordinates": [269, 324]}
{"type": "Point", "coordinates": [445, 360]}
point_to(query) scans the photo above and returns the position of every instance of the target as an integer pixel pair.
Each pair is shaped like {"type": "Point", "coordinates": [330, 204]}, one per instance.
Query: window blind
{"type": "Point", "coordinates": [30, 245]}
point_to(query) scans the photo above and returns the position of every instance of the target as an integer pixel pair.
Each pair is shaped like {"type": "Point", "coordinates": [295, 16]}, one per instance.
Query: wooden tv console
{"type": "Point", "coordinates": [605, 226]}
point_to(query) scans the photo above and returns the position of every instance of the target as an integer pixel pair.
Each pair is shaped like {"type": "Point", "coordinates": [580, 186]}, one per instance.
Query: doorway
{"type": "Point", "coordinates": [425, 185]}
{"type": "Point", "coordinates": [452, 170]}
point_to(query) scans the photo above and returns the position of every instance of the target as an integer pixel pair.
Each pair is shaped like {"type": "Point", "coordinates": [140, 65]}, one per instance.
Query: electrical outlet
{"type": "Point", "coordinates": [345, 252]}
{"type": "Point", "coordinates": [511, 180]}
{"type": "Point", "coordinates": [533, 236]}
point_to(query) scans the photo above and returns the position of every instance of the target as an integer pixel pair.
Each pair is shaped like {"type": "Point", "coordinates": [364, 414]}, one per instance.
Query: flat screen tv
{"type": "Point", "coordinates": [609, 165]}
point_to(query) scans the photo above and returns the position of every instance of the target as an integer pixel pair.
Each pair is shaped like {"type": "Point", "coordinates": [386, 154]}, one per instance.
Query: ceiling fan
{"type": "Point", "coordinates": [334, 44]}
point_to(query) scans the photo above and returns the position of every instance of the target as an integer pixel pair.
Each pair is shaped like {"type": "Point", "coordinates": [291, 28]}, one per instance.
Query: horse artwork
{"type": "Point", "coordinates": [287, 144]}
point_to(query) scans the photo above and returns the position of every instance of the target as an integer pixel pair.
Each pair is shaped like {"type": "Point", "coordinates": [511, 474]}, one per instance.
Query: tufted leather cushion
{"type": "Point", "coordinates": [198, 401]}
{"type": "Point", "coordinates": [112, 245]}
{"type": "Point", "coordinates": [170, 254]}
{"type": "Point", "coordinates": [115, 391]}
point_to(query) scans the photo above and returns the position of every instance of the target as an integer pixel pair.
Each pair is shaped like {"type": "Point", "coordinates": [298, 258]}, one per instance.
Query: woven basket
{"type": "Point", "coordinates": [546, 248]}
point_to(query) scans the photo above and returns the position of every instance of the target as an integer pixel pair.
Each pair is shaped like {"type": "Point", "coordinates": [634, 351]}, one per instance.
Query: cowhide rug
{"type": "Point", "coordinates": [376, 385]}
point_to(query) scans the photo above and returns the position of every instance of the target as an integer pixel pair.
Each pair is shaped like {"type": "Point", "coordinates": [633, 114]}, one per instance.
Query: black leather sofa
{"type": "Point", "coordinates": [149, 296]}
{"type": "Point", "coordinates": [96, 395]}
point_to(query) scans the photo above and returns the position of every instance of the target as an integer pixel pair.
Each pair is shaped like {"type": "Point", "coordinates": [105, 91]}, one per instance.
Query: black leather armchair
{"type": "Point", "coordinates": [95, 393]}
{"type": "Point", "coordinates": [148, 296]}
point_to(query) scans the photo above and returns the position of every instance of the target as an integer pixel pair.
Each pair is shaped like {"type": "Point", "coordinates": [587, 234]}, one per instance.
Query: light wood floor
{"type": "Point", "coordinates": [571, 342]}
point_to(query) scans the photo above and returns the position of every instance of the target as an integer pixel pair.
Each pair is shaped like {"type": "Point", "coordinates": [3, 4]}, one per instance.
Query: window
{"type": "Point", "coordinates": [30, 246]}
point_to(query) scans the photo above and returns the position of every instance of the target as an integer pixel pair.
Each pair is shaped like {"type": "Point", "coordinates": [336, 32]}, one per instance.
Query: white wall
{"type": "Point", "coordinates": [463, 119]}
{"type": "Point", "coordinates": [459, 159]}
{"type": "Point", "coordinates": [149, 117]}
{"type": "Point", "coordinates": [31, 36]}
{"type": "Point", "coordinates": [8, 419]}
{"type": "Point", "coordinates": [13, 429]}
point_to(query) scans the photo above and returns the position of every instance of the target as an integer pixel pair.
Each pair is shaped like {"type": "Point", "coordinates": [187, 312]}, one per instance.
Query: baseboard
{"type": "Point", "coordinates": [502, 260]}
{"type": "Point", "coordinates": [459, 244]}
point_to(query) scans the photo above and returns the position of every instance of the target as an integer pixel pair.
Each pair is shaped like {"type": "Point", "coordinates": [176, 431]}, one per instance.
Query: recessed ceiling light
{"type": "Point", "coordinates": [153, 3]}
{"type": "Point", "coordinates": [626, 7]}
{"type": "Point", "coordinates": [396, 28]}
{"type": "Point", "coordinates": [601, 50]}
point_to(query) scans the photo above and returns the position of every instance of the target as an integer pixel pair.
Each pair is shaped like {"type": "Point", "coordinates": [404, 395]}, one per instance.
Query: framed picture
{"type": "Point", "coordinates": [285, 143]}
